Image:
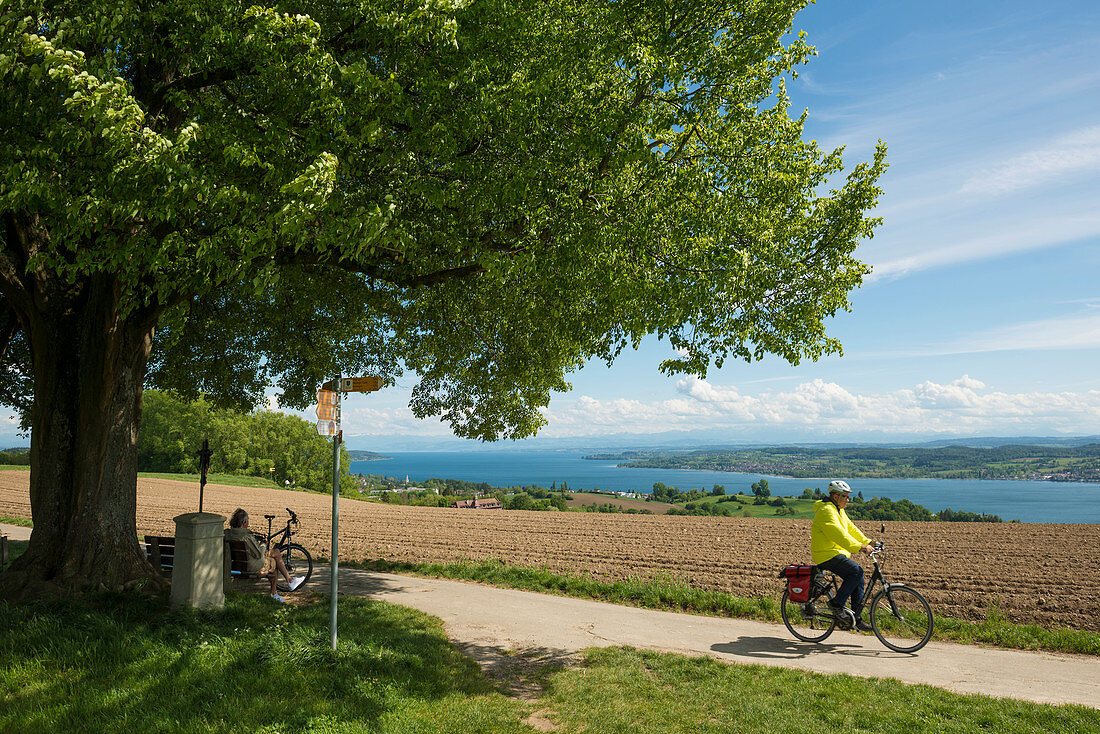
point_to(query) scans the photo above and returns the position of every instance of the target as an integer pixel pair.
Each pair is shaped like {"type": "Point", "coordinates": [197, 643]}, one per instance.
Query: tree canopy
{"type": "Point", "coordinates": [220, 196]}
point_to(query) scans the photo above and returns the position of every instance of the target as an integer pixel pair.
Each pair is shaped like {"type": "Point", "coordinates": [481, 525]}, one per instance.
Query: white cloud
{"type": "Point", "coordinates": [820, 408]}
{"type": "Point", "coordinates": [813, 410]}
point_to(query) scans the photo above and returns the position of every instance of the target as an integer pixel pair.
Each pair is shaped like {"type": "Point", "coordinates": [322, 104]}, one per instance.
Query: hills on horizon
{"type": "Point", "coordinates": [670, 441]}
{"type": "Point", "coordinates": [677, 441]}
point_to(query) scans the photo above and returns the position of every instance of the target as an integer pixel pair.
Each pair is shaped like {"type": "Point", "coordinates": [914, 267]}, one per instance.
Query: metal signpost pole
{"type": "Point", "coordinates": [335, 526]}
{"type": "Point", "coordinates": [328, 424]}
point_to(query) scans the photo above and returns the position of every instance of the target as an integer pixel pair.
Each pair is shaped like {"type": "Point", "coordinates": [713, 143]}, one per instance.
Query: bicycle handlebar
{"type": "Point", "coordinates": [293, 517]}
{"type": "Point", "coordinates": [879, 547]}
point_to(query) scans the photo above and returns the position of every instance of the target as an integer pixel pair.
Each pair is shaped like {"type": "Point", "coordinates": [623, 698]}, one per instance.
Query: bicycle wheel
{"type": "Point", "coordinates": [806, 620]}
{"type": "Point", "coordinates": [901, 618]}
{"type": "Point", "coordinates": [298, 563]}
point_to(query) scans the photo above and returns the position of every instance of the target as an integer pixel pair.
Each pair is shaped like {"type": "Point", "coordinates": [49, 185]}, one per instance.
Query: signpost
{"type": "Point", "coordinates": [328, 424]}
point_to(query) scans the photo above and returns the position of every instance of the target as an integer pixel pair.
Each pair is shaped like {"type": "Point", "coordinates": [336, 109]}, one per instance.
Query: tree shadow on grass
{"type": "Point", "coordinates": [111, 662]}
{"type": "Point", "coordinates": [523, 673]}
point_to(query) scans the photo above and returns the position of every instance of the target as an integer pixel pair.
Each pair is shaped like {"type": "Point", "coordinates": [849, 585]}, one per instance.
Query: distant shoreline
{"type": "Point", "coordinates": [1063, 464]}
{"type": "Point", "coordinates": [359, 455]}
{"type": "Point", "coordinates": [1057, 480]}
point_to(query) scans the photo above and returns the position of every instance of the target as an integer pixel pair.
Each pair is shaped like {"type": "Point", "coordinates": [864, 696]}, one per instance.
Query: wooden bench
{"type": "Point", "coordinates": [236, 563]}
{"type": "Point", "coordinates": [161, 552]}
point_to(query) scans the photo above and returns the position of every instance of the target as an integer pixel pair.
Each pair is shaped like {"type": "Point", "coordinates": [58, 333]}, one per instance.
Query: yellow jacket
{"type": "Point", "coordinates": [832, 533]}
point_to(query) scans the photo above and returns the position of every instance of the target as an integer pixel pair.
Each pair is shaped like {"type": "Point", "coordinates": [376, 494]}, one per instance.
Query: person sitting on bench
{"type": "Point", "coordinates": [261, 560]}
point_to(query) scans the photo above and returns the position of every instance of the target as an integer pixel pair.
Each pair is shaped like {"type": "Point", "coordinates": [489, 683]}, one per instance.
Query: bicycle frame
{"type": "Point", "coordinates": [283, 535]}
{"type": "Point", "coordinates": [869, 589]}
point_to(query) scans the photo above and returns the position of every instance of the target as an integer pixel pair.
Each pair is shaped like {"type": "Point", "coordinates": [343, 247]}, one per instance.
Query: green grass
{"type": "Point", "coordinates": [803, 509]}
{"type": "Point", "coordinates": [227, 479]}
{"type": "Point", "coordinates": [642, 692]}
{"type": "Point", "coordinates": [671, 593]}
{"type": "Point", "coordinates": [126, 664]}
{"type": "Point", "coordinates": [20, 521]}
{"type": "Point", "coordinates": [234, 480]}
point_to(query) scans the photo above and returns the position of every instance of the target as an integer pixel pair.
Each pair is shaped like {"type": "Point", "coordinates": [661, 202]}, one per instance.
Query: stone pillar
{"type": "Point", "coordinates": [200, 550]}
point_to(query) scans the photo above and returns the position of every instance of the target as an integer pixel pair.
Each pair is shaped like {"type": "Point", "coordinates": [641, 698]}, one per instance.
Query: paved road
{"type": "Point", "coordinates": [484, 617]}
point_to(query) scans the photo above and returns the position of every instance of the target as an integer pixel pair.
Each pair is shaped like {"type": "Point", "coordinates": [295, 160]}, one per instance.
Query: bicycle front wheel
{"type": "Point", "coordinates": [901, 618]}
{"type": "Point", "coordinates": [807, 621]}
{"type": "Point", "coordinates": [298, 563]}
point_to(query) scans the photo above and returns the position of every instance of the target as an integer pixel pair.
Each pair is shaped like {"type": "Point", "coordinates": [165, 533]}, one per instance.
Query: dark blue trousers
{"type": "Point", "coordinates": [851, 574]}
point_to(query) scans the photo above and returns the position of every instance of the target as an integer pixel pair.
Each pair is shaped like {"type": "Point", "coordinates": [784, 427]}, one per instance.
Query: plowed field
{"type": "Point", "coordinates": [1045, 574]}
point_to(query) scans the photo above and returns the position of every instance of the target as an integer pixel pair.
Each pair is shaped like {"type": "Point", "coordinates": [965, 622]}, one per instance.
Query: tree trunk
{"type": "Point", "coordinates": [89, 367]}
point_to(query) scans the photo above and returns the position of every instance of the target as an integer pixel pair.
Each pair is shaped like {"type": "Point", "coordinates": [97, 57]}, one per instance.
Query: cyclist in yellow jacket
{"type": "Point", "coordinates": [833, 539]}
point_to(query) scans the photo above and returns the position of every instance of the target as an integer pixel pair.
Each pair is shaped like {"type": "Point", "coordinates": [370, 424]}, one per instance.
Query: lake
{"type": "Point", "coordinates": [1013, 500]}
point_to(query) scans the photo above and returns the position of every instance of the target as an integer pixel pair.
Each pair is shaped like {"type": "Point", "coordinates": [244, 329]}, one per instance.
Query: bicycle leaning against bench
{"type": "Point", "coordinates": [900, 617]}
{"type": "Point", "coordinates": [297, 559]}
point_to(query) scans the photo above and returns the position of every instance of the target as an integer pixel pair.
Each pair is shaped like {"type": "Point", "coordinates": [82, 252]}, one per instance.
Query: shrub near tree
{"type": "Point", "coordinates": [220, 197]}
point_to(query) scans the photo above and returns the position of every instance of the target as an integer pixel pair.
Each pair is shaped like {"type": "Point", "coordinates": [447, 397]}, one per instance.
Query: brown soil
{"type": "Point", "coordinates": [1045, 574]}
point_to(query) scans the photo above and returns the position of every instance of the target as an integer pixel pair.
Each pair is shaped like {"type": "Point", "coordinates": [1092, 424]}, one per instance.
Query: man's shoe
{"type": "Point", "coordinates": [844, 616]}
{"type": "Point", "coordinates": [863, 626]}
{"type": "Point", "coordinates": [296, 582]}
{"type": "Point", "coordinates": [278, 598]}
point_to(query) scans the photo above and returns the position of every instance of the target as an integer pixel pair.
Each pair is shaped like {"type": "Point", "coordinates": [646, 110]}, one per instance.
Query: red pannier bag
{"type": "Point", "coordinates": [799, 577]}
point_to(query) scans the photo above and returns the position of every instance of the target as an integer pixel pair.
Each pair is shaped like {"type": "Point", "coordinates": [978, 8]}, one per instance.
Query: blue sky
{"type": "Point", "coordinates": [982, 316]}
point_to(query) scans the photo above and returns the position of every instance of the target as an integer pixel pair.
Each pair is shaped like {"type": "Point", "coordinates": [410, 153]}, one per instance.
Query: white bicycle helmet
{"type": "Point", "coordinates": [839, 487]}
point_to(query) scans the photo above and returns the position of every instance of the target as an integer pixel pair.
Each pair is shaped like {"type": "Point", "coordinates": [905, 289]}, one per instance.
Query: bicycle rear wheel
{"type": "Point", "coordinates": [807, 621]}
{"type": "Point", "coordinates": [901, 618]}
{"type": "Point", "coordinates": [298, 563]}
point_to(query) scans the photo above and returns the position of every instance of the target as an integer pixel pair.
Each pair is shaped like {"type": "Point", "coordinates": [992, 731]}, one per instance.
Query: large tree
{"type": "Point", "coordinates": [215, 196]}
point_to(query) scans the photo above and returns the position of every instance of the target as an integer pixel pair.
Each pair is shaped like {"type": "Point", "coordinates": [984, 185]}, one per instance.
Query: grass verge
{"type": "Point", "coordinates": [20, 521]}
{"type": "Point", "coordinates": [640, 691]}
{"type": "Point", "coordinates": [670, 593]}
{"type": "Point", "coordinates": [115, 663]}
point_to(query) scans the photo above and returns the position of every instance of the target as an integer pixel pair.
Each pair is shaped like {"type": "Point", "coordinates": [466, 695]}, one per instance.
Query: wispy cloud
{"type": "Point", "coordinates": [995, 150]}
{"type": "Point", "coordinates": [936, 246]}
{"type": "Point", "coordinates": [1073, 154]}
{"type": "Point", "coordinates": [1079, 331]}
